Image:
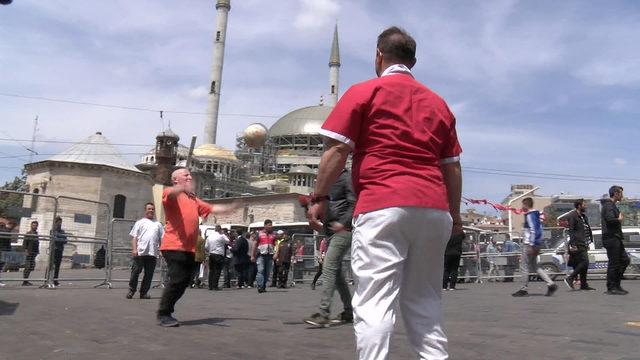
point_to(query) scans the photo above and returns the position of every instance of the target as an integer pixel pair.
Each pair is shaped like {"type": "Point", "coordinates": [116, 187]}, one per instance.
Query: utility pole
{"type": "Point", "coordinates": [33, 139]}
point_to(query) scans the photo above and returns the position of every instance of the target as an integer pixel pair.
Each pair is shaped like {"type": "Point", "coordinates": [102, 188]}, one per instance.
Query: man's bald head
{"type": "Point", "coordinates": [397, 46]}
{"type": "Point", "coordinates": [181, 176]}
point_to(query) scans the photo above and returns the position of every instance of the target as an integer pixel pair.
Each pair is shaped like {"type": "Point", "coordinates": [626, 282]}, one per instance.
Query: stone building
{"type": "Point", "coordinates": [93, 184]}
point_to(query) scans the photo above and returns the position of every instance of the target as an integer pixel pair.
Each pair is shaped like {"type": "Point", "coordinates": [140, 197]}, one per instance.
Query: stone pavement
{"type": "Point", "coordinates": [482, 321]}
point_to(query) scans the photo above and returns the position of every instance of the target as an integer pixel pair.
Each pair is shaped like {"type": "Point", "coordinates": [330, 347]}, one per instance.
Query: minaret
{"type": "Point", "coordinates": [211, 124]}
{"type": "Point", "coordinates": [334, 69]}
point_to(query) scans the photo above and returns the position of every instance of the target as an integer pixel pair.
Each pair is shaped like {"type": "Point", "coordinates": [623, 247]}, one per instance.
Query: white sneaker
{"type": "Point", "coordinates": [2, 284]}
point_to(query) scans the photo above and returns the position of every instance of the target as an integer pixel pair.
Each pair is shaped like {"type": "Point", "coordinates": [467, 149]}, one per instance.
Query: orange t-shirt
{"type": "Point", "coordinates": [181, 215]}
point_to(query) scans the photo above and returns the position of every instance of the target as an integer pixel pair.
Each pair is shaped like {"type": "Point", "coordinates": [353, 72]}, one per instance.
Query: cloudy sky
{"type": "Point", "coordinates": [542, 87]}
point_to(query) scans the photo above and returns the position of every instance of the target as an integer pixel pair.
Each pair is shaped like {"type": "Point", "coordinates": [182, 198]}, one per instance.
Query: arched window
{"type": "Point", "coordinates": [119, 203]}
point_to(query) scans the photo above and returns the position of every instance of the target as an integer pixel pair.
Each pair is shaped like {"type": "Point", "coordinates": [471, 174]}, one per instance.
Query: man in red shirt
{"type": "Point", "coordinates": [262, 255]}
{"type": "Point", "coordinates": [182, 212]}
{"type": "Point", "coordinates": [407, 176]}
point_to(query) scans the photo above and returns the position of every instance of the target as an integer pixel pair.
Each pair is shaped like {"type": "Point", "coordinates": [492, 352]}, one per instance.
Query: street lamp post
{"type": "Point", "coordinates": [514, 199]}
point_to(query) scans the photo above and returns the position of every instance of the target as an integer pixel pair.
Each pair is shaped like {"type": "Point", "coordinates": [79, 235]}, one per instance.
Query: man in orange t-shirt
{"type": "Point", "coordinates": [182, 212]}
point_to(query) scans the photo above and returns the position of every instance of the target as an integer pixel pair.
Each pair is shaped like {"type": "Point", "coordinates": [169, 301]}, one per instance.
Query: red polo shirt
{"type": "Point", "coordinates": [181, 214]}
{"type": "Point", "coordinates": [400, 132]}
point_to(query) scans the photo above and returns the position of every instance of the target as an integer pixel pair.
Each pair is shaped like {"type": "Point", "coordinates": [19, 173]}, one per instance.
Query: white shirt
{"type": "Point", "coordinates": [148, 234]}
{"type": "Point", "coordinates": [216, 243]}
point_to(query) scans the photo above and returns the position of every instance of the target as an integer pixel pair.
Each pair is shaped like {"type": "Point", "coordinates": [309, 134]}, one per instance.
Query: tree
{"type": "Point", "coordinates": [9, 202]}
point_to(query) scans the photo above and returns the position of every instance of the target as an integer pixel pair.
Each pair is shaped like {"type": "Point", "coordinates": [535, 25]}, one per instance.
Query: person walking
{"type": "Point", "coordinates": [182, 211]}
{"type": "Point", "coordinates": [531, 248]}
{"type": "Point", "coordinates": [263, 254]}
{"type": "Point", "coordinates": [580, 236]}
{"type": "Point", "coordinates": [491, 251]}
{"type": "Point", "coordinates": [452, 255]}
{"type": "Point", "coordinates": [323, 251]}
{"type": "Point", "coordinates": [510, 248]}
{"type": "Point", "coordinates": [31, 246]}
{"type": "Point", "coordinates": [407, 178]}
{"type": "Point", "coordinates": [216, 247]}
{"type": "Point", "coordinates": [241, 260]}
{"type": "Point", "coordinates": [283, 256]}
{"type": "Point", "coordinates": [612, 241]}
{"type": "Point", "coordinates": [337, 227]}
{"type": "Point", "coordinates": [145, 248]}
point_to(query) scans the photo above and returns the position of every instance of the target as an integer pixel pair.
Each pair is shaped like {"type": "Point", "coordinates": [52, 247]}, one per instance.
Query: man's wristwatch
{"type": "Point", "coordinates": [314, 199]}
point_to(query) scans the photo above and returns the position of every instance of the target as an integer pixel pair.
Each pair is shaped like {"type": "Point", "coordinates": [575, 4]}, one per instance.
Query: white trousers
{"type": "Point", "coordinates": [397, 257]}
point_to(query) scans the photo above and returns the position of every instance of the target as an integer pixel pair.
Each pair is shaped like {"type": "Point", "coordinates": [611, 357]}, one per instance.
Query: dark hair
{"type": "Point", "coordinates": [528, 201]}
{"type": "Point", "coordinates": [34, 222]}
{"type": "Point", "coordinates": [578, 203]}
{"type": "Point", "coordinates": [57, 218]}
{"type": "Point", "coordinates": [615, 189]}
{"type": "Point", "coordinates": [397, 45]}
{"type": "Point", "coordinates": [268, 222]}
{"type": "Point", "coordinates": [218, 227]}
{"type": "Point", "coordinates": [150, 203]}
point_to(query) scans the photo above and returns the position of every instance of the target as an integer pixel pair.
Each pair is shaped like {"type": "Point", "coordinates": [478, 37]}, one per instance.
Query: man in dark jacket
{"type": "Point", "coordinates": [337, 227]}
{"type": "Point", "coordinates": [579, 237]}
{"type": "Point", "coordinates": [59, 239]}
{"type": "Point", "coordinates": [31, 246]}
{"type": "Point", "coordinates": [612, 241]}
{"type": "Point", "coordinates": [240, 251]}
{"type": "Point", "coordinates": [452, 255]}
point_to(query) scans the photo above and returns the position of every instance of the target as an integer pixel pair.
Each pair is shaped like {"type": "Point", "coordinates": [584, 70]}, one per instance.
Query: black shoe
{"type": "Point", "coordinates": [344, 317]}
{"type": "Point", "coordinates": [551, 289]}
{"type": "Point", "coordinates": [130, 294]}
{"type": "Point", "coordinates": [26, 283]}
{"type": "Point", "coordinates": [569, 282]}
{"type": "Point", "coordinates": [587, 288]}
{"type": "Point", "coordinates": [56, 283]}
{"type": "Point", "coordinates": [261, 290]}
{"type": "Point", "coordinates": [622, 290]}
{"type": "Point", "coordinates": [313, 286]}
{"type": "Point", "coordinates": [145, 296]}
{"type": "Point", "coordinates": [167, 321]}
{"type": "Point", "coordinates": [615, 292]}
{"type": "Point", "coordinates": [317, 319]}
{"type": "Point", "coordinates": [520, 293]}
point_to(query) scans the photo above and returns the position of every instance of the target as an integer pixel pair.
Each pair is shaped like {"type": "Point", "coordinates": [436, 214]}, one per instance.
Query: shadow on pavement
{"type": "Point", "coordinates": [7, 308]}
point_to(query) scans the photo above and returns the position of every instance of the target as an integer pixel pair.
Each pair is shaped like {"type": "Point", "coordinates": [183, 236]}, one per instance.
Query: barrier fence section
{"type": "Point", "coordinates": [305, 266]}
{"type": "Point", "coordinates": [121, 253]}
{"type": "Point", "coordinates": [20, 247]}
{"type": "Point", "coordinates": [83, 232]}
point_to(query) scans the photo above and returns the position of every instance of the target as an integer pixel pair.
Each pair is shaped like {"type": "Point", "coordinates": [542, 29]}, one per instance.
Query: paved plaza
{"type": "Point", "coordinates": [483, 321]}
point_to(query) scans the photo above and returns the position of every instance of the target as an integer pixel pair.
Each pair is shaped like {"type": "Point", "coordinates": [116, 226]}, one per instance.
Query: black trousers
{"type": "Point", "coordinates": [580, 261]}
{"type": "Point", "coordinates": [318, 274]}
{"type": "Point", "coordinates": [283, 274]}
{"type": "Point", "coordinates": [216, 263]}
{"type": "Point", "coordinates": [57, 261]}
{"type": "Point", "coordinates": [243, 273]}
{"type": "Point", "coordinates": [146, 263]}
{"type": "Point", "coordinates": [253, 272]}
{"type": "Point", "coordinates": [180, 265]}
{"type": "Point", "coordinates": [29, 265]}
{"type": "Point", "coordinates": [226, 273]}
{"type": "Point", "coordinates": [274, 277]}
{"type": "Point", "coordinates": [618, 262]}
{"type": "Point", "coordinates": [450, 275]}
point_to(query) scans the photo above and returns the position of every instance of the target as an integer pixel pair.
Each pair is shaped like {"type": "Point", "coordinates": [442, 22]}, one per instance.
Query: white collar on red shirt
{"type": "Point", "coordinates": [396, 69]}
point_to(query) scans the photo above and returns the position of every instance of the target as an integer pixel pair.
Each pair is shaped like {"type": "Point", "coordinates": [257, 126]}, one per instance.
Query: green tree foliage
{"type": "Point", "coordinates": [10, 201]}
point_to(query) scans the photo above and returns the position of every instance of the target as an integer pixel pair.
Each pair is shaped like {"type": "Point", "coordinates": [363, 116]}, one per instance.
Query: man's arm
{"type": "Point", "coordinates": [452, 174]}
{"type": "Point", "coordinates": [573, 222]}
{"type": "Point", "coordinates": [332, 162]}
{"type": "Point", "coordinates": [608, 213]}
{"type": "Point", "coordinates": [175, 190]}
{"type": "Point", "coordinates": [134, 245]}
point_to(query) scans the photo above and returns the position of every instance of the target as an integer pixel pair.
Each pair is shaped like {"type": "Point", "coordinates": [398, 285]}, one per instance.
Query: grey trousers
{"type": "Point", "coordinates": [529, 265]}
{"type": "Point", "coordinates": [332, 276]}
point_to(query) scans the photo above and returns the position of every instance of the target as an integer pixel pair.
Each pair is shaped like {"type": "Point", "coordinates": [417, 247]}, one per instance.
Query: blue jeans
{"type": "Point", "coordinates": [264, 262]}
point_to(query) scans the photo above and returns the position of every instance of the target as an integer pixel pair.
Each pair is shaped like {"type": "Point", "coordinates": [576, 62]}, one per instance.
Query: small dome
{"type": "Point", "coordinates": [301, 169]}
{"type": "Point", "coordinates": [307, 120]}
{"type": "Point", "coordinates": [168, 133]}
{"type": "Point", "coordinates": [214, 151]}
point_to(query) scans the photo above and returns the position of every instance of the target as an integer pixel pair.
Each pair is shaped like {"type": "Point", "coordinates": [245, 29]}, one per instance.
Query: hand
{"type": "Point", "coordinates": [316, 213]}
{"type": "Point", "coordinates": [134, 253]}
{"type": "Point", "coordinates": [253, 259]}
{"type": "Point", "coordinates": [336, 227]}
{"type": "Point", "coordinates": [457, 229]}
{"type": "Point", "coordinates": [621, 217]}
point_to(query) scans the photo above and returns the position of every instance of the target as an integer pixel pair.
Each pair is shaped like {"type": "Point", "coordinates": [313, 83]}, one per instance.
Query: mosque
{"type": "Point", "coordinates": [285, 165]}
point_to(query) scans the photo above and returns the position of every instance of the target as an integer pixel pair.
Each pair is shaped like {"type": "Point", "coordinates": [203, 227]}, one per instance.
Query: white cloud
{"type": "Point", "coordinates": [620, 161]}
{"type": "Point", "coordinates": [316, 14]}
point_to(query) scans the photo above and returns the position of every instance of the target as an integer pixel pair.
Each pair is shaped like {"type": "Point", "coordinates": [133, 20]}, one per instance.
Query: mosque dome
{"type": "Point", "coordinates": [306, 120]}
{"type": "Point", "coordinates": [214, 151]}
